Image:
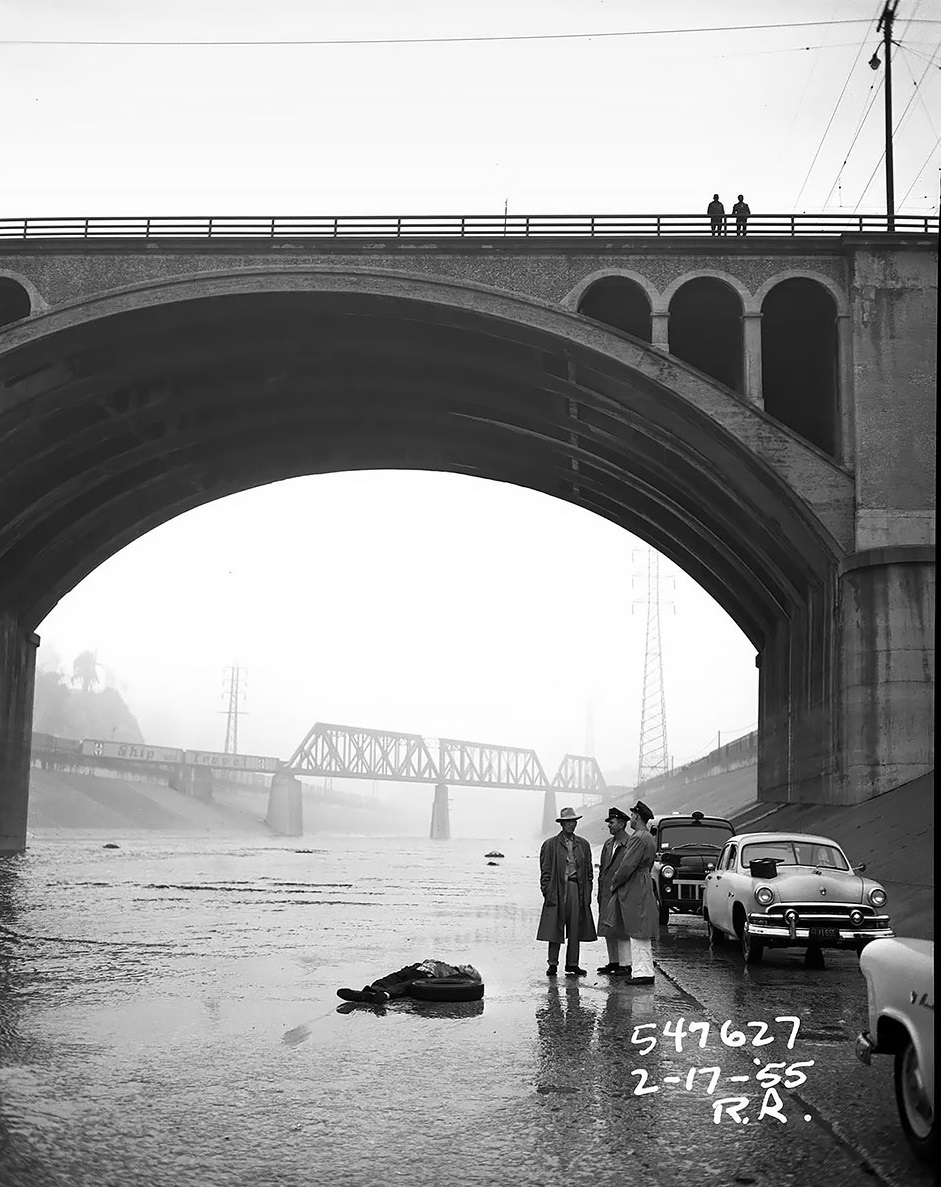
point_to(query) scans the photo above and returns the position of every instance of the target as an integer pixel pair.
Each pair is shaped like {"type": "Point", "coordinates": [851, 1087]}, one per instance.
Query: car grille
{"type": "Point", "coordinates": [828, 913]}
{"type": "Point", "coordinates": [690, 892]}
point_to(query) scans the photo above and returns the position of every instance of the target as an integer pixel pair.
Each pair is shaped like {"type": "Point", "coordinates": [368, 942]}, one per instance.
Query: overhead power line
{"type": "Point", "coordinates": [442, 40]}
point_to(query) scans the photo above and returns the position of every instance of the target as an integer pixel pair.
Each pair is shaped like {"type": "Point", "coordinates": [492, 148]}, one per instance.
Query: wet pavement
{"type": "Point", "coordinates": [168, 1016]}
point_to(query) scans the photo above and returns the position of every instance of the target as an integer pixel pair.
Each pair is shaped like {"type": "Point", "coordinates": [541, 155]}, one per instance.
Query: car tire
{"type": "Point", "coordinates": [915, 1114]}
{"type": "Point", "coordinates": [716, 937]}
{"type": "Point", "coordinates": [664, 914]}
{"type": "Point", "coordinates": [752, 949]}
{"type": "Point", "coordinates": [447, 989]}
{"type": "Point", "coordinates": [813, 958]}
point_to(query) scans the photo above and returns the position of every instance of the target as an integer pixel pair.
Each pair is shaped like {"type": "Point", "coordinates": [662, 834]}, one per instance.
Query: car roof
{"type": "Point", "coordinates": [747, 838]}
{"type": "Point", "coordinates": [687, 818]}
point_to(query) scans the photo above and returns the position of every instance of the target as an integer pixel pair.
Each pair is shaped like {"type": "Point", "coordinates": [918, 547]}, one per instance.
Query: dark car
{"type": "Point", "coordinates": [686, 845]}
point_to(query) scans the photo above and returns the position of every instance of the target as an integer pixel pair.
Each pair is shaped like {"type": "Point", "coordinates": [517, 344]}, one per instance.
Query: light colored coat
{"type": "Point", "coordinates": [552, 884]}
{"type": "Point", "coordinates": [632, 912]}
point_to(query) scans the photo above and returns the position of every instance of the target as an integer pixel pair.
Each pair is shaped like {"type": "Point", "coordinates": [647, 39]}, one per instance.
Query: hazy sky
{"type": "Point", "coordinates": [436, 604]}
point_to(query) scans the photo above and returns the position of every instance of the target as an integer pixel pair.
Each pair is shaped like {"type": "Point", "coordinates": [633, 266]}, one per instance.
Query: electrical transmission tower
{"type": "Point", "coordinates": [236, 690]}
{"type": "Point", "coordinates": [654, 758]}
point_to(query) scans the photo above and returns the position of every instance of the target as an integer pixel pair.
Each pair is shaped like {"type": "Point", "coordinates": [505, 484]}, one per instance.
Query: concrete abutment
{"type": "Point", "coordinates": [440, 815]}
{"type": "Point", "coordinates": [285, 805]}
{"type": "Point", "coordinates": [18, 648]}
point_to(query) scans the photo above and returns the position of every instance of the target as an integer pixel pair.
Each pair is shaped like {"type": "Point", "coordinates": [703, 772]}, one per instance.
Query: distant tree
{"type": "Point", "coordinates": [85, 670]}
{"type": "Point", "coordinates": [51, 704]}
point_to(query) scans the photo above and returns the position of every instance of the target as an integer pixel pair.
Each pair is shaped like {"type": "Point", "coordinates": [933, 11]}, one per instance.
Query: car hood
{"type": "Point", "coordinates": [803, 885]}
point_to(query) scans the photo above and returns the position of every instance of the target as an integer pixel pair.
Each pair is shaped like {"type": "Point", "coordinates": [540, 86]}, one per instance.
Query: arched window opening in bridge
{"type": "Point", "coordinates": [618, 302]}
{"type": "Point", "coordinates": [799, 360]}
{"type": "Point", "coordinates": [706, 329]}
{"type": "Point", "coordinates": [14, 301]}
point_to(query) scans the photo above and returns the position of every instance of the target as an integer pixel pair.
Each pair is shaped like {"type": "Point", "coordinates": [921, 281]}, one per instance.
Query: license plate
{"type": "Point", "coordinates": [824, 933]}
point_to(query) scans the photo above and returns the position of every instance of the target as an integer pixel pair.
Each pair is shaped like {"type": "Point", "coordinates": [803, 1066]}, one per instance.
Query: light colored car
{"type": "Point", "coordinates": [900, 982]}
{"type": "Point", "coordinates": [791, 890]}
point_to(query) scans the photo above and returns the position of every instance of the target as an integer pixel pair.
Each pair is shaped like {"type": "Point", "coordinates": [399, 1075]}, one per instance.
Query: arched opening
{"type": "Point", "coordinates": [706, 329]}
{"type": "Point", "coordinates": [620, 302]}
{"type": "Point", "coordinates": [14, 301]}
{"type": "Point", "coordinates": [799, 360]}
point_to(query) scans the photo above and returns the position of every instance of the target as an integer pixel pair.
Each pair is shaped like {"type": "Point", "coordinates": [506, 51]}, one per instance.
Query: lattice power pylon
{"type": "Point", "coordinates": [653, 758]}
{"type": "Point", "coordinates": [233, 674]}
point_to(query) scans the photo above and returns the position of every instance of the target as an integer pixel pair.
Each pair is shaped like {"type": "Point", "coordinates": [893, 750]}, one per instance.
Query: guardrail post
{"type": "Point", "coordinates": [658, 226]}
{"type": "Point", "coordinates": [526, 228]}
{"type": "Point", "coordinates": [336, 227]}
{"type": "Point", "coordinates": [147, 229]}
{"type": "Point", "coordinates": [271, 232]}
{"type": "Point", "coordinates": [462, 226]}
{"type": "Point", "coordinates": [85, 232]}
{"type": "Point", "coordinates": [398, 228]}
{"type": "Point", "coordinates": [793, 232]}
{"type": "Point", "coordinates": [209, 236]}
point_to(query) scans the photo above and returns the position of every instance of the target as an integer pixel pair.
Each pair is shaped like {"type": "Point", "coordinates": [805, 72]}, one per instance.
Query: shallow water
{"type": "Point", "coordinates": [169, 1016]}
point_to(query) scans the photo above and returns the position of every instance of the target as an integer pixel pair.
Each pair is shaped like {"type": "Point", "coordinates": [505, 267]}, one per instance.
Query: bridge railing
{"type": "Point", "coordinates": [535, 226]}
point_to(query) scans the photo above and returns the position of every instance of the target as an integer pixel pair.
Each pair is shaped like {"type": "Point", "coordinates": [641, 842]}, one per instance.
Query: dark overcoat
{"type": "Point", "coordinates": [610, 857]}
{"type": "Point", "coordinates": [632, 911]}
{"type": "Point", "coordinates": [552, 884]}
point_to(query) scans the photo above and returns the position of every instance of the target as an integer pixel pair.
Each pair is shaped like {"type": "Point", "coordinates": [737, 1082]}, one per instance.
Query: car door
{"type": "Point", "coordinates": [713, 890]}
{"type": "Point", "coordinates": [724, 880]}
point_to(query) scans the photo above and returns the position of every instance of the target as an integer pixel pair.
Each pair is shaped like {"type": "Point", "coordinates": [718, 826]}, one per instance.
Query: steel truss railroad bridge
{"type": "Point", "coordinates": [349, 752]}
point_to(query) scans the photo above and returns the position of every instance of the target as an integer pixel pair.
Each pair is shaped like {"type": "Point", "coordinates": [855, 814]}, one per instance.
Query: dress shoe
{"type": "Point", "coordinates": [623, 970]}
{"type": "Point", "coordinates": [642, 980]}
{"type": "Point", "coordinates": [350, 995]}
{"type": "Point", "coordinates": [552, 970]}
{"type": "Point", "coordinates": [375, 996]}
{"type": "Point", "coordinates": [610, 967]}
{"type": "Point", "coordinates": [572, 970]}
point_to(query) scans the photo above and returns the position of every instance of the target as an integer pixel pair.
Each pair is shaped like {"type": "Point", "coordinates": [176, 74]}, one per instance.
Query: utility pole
{"type": "Point", "coordinates": [233, 712]}
{"type": "Point", "coordinates": [885, 26]}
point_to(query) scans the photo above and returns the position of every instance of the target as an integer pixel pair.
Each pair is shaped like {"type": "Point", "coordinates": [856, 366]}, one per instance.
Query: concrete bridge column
{"type": "Point", "coordinates": [886, 623]}
{"type": "Point", "coordinates": [285, 805]}
{"type": "Point", "coordinates": [440, 815]}
{"type": "Point", "coordinates": [549, 813]}
{"type": "Point", "coordinates": [660, 330]}
{"type": "Point", "coordinates": [17, 675]}
{"type": "Point", "coordinates": [847, 426]}
{"type": "Point", "coordinates": [751, 339]}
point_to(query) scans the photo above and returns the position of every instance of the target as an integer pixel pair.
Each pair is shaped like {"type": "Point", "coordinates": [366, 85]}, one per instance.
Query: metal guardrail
{"type": "Point", "coordinates": [535, 226]}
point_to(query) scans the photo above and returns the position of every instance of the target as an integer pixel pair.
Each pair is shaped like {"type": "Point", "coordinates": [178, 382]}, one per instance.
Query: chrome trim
{"type": "Point", "coordinates": [865, 1048]}
{"type": "Point", "coordinates": [761, 927]}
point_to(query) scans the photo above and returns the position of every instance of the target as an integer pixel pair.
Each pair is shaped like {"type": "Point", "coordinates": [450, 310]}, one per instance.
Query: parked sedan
{"type": "Point", "coordinates": [900, 982]}
{"type": "Point", "coordinates": [791, 890]}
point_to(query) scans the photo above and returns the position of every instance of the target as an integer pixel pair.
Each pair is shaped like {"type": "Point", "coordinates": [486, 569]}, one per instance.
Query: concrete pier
{"type": "Point", "coordinates": [17, 674]}
{"type": "Point", "coordinates": [440, 815]}
{"type": "Point", "coordinates": [285, 806]}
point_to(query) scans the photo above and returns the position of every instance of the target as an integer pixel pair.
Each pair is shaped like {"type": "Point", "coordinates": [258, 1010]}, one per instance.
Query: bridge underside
{"type": "Point", "coordinates": [115, 418]}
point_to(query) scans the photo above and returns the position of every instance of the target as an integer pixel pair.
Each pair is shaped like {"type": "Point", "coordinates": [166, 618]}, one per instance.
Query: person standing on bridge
{"type": "Point", "coordinates": [631, 913]}
{"type": "Point", "coordinates": [716, 212]}
{"type": "Point", "coordinates": [565, 879]}
{"type": "Point", "coordinates": [742, 212]}
{"type": "Point", "coordinates": [619, 951]}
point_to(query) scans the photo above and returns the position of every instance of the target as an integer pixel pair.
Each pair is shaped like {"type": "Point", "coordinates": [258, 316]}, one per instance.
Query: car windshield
{"type": "Point", "coordinates": [797, 853]}
{"type": "Point", "coordinates": [672, 836]}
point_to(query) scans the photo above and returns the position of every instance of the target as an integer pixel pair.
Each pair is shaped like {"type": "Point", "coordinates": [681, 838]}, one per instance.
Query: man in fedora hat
{"type": "Point", "coordinates": [619, 951]}
{"type": "Point", "coordinates": [565, 878]}
{"type": "Point", "coordinates": [631, 913]}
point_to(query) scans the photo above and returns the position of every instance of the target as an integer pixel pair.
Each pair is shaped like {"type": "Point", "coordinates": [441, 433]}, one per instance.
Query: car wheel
{"type": "Point", "coordinates": [752, 948]}
{"type": "Point", "coordinates": [716, 937]}
{"type": "Point", "coordinates": [915, 1111]}
{"type": "Point", "coordinates": [813, 958]}
{"type": "Point", "coordinates": [664, 915]}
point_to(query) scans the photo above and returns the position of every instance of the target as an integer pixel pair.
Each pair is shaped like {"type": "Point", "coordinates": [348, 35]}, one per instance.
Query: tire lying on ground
{"type": "Point", "coordinates": [447, 989]}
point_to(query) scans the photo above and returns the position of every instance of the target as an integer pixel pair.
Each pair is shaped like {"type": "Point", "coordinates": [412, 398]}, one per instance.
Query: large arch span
{"type": "Point", "coordinates": [120, 412]}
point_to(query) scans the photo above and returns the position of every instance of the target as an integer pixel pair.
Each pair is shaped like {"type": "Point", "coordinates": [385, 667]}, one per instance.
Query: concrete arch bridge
{"type": "Point", "coordinates": [628, 373]}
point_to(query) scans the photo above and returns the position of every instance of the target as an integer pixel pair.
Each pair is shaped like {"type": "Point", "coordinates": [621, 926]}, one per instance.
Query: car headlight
{"type": "Point", "coordinates": [856, 918]}
{"type": "Point", "coordinates": [667, 872]}
{"type": "Point", "coordinates": [877, 896]}
{"type": "Point", "coordinates": [765, 895]}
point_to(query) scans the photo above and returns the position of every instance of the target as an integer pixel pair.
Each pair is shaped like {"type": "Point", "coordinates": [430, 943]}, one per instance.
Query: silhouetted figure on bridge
{"type": "Point", "coordinates": [741, 211]}
{"type": "Point", "coordinates": [716, 212]}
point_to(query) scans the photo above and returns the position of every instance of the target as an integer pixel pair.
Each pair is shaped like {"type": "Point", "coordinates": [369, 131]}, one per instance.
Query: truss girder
{"type": "Point", "coordinates": [348, 752]}
{"type": "Point", "coordinates": [475, 764]}
{"type": "Point", "coordinates": [351, 752]}
{"type": "Point", "coordinates": [578, 772]}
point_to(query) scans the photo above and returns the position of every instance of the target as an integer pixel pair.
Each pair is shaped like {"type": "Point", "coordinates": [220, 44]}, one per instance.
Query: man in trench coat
{"type": "Point", "coordinates": [565, 878]}
{"type": "Point", "coordinates": [619, 951]}
{"type": "Point", "coordinates": [631, 913]}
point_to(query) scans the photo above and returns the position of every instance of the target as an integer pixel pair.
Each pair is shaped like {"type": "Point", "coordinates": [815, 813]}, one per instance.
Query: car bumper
{"type": "Point", "coordinates": [827, 935]}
